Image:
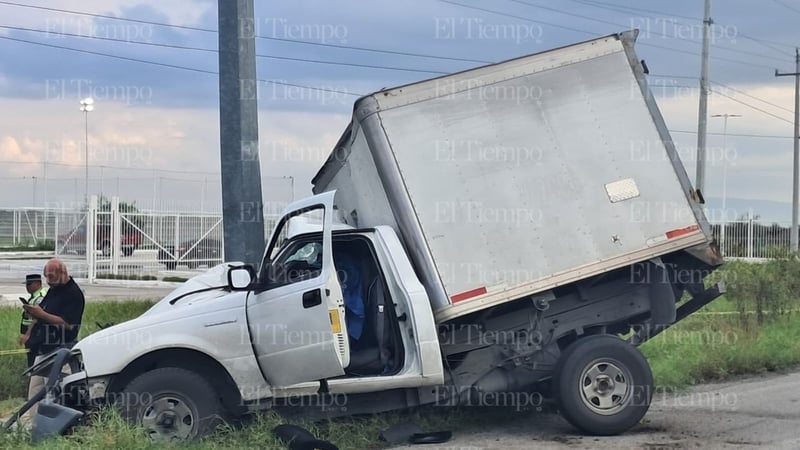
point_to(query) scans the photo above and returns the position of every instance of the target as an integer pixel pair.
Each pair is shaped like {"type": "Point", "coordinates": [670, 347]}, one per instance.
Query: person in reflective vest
{"type": "Point", "coordinates": [33, 284]}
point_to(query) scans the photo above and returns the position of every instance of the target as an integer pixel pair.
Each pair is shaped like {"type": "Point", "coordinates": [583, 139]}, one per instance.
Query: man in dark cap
{"type": "Point", "coordinates": [36, 292]}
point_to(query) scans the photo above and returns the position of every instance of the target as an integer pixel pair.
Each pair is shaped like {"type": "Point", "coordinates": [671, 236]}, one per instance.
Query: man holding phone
{"type": "Point", "coordinates": [36, 292]}
{"type": "Point", "coordinates": [56, 322]}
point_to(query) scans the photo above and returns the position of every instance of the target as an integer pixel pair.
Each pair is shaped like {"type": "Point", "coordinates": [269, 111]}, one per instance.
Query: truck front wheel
{"type": "Point", "coordinates": [603, 385]}
{"type": "Point", "coordinates": [171, 403]}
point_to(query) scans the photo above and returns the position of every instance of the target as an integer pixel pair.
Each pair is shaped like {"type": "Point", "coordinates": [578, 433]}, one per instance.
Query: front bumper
{"type": "Point", "coordinates": [60, 401]}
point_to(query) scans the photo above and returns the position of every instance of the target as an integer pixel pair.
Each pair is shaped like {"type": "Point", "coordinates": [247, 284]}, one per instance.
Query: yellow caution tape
{"type": "Point", "coordinates": [19, 351]}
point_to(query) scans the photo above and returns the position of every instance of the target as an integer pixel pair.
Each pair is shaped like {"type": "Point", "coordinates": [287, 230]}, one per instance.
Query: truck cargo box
{"type": "Point", "coordinates": [518, 177]}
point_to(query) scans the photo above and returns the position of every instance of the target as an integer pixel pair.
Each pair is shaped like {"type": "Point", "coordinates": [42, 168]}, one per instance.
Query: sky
{"type": "Point", "coordinates": [153, 137]}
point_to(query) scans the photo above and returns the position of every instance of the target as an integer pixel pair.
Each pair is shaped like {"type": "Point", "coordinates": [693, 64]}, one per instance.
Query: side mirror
{"type": "Point", "coordinates": [240, 278]}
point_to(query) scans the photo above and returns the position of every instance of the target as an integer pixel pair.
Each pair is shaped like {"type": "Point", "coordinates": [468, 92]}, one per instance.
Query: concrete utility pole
{"type": "Point", "coordinates": [702, 117]}
{"type": "Point", "coordinates": [242, 208]}
{"type": "Point", "coordinates": [796, 164]}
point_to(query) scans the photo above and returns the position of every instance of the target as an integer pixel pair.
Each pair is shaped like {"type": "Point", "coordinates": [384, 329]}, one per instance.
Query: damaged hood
{"type": "Point", "coordinates": [201, 296]}
{"type": "Point", "coordinates": [207, 285]}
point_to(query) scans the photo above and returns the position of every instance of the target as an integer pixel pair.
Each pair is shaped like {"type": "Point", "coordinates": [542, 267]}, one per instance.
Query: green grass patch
{"type": "Point", "coordinates": [108, 430]}
{"type": "Point", "coordinates": [122, 276]}
{"type": "Point", "coordinates": [713, 348]}
{"type": "Point", "coordinates": [45, 245]}
{"type": "Point", "coordinates": [175, 279]}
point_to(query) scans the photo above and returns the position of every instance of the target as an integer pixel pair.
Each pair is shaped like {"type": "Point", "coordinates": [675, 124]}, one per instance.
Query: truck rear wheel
{"type": "Point", "coordinates": [171, 403]}
{"type": "Point", "coordinates": [603, 385]}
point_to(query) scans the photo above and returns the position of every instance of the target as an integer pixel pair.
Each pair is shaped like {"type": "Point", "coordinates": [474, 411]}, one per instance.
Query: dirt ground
{"type": "Point", "coordinates": [756, 412]}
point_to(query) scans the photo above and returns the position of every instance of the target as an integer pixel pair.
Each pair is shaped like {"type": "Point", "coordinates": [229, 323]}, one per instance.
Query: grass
{"type": "Point", "coordinates": [174, 279]}
{"type": "Point", "coordinates": [712, 348]}
{"type": "Point", "coordinates": [46, 245]}
{"type": "Point", "coordinates": [109, 430]}
{"type": "Point", "coordinates": [121, 276]}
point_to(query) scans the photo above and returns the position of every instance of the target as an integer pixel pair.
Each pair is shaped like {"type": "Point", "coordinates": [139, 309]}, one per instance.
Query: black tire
{"type": "Point", "coordinates": [603, 385]}
{"type": "Point", "coordinates": [127, 251]}
{"type": "Point", "coordinates": [171, 265]}
{"type": "Point", "coordinates": [105, 248]}
{"type": "Point", "coordinates": [171, 403]}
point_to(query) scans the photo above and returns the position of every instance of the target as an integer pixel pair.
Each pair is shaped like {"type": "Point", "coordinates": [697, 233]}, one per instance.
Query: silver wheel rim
{"type": "Point", "coordinates": [605, 386]}
{"type": "Point", "coordinates": [168, 418]}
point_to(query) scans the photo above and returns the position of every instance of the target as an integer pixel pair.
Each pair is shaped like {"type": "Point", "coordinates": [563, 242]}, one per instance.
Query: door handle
{"type": "Point", "coordinates": [312, 298]}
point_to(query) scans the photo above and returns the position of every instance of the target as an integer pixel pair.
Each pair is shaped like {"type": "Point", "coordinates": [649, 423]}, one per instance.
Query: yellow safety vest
{"type": "Point", "coordinates": [35, 298]}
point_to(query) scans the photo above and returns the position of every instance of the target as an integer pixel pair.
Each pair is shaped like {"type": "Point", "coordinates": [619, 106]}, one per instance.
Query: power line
{"type": "Point", "coordinates": [752, 96]}
{"type": "Point", "coordinates": [271, 38]}
{"type": "Point", "coordinates": [751, 106]}
{"type": "Point", "coordinates": [374, 50]}
{"type": "Point", "coordinates": [766, 44]}
{"type": "Point", "coordinates": [687, 77]}
{"type": "Point", "coordinates": [726, 87]}
{"type": "Point", "coordinates": [182, 47]}
{"type": "Point", "coordinates": [124, 58]}
{"type": "Point", "coordinates": [745, 52]}
{"type": "Point", "coordinates": [791, 8]}
{"type": "Point", "coordinates": [628, 9]}
{"type": "Point", "coordinates": [770, 136]}
{"type": "Point", "coordinates": [528, 19]}
{"type": "Point", "coordinates": [174, 66]}
{"type": "Point", "coordinates": [368, 66]}
{"type": "Point", "coordinates": [49, 163]}
{"type": "Point", "coordinates": [500, 13]}
{"type": "Point", "coordinates": [102, 16]}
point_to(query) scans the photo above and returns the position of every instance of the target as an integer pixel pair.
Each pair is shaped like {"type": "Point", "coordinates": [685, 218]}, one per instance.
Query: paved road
{"type": "Point", "coordinates": [761, 412]}
{"type": "Point", "coordinates": [13, 269]}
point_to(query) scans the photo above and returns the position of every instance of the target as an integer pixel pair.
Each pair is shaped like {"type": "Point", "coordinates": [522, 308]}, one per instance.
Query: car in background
{"type": "Point", "coordinates": [192, 253]}
{"type": "Point", "coordinates": [75, 240]}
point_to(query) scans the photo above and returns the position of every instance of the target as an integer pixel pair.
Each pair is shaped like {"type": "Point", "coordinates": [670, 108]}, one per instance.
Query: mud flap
{"type": "Point", "coordinates": [52, 419]}
{"type": "Point", "coordinates": [699, 299]}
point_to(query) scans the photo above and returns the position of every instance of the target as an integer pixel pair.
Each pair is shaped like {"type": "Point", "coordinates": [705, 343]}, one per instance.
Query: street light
{"type": "Point", "coordinates": [724, 177]}
{"type": "Point", "coordinates": [87, 105]}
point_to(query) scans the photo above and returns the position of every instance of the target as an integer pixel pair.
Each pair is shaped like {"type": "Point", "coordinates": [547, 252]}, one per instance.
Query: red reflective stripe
{"type": "Point", "coordinates": [469, 294]}
{"type": "Point", "coordinates": [682, 231]}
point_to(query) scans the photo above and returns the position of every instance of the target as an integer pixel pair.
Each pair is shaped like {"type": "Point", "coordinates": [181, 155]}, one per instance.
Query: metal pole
{"type": "Point", "coordinates": [724, 178]}
{"type": "Point", "coordinates": [750, 233]}
{"type": "Point", "coordinates": [86, 161]}
{"type": "Point", "coordinates": [87, 104]}
{"type": "Point", "coordinates": [702, 116]}
{"type": "Point", "coordinates": [796, 164]}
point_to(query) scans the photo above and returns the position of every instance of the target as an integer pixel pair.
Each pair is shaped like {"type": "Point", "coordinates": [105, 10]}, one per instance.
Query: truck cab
{"type": "Point", "coordinates": [330, 313]}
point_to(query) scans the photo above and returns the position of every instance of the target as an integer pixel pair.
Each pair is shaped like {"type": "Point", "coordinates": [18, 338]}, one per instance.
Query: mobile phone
{"type": "Point", "coordinates": [22, 299]}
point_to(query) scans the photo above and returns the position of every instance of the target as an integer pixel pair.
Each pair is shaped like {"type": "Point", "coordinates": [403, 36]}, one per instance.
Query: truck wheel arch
{"type": "Point", "coordinates": [189, 359]}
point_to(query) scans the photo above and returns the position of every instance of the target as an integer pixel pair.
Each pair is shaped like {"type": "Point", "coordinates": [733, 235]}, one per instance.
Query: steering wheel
{"type": "Point", "coordinates": [299, 270]}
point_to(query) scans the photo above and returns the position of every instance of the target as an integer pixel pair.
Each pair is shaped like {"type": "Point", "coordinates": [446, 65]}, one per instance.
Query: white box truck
{"type": "Point", "coordinates": [517, 228]}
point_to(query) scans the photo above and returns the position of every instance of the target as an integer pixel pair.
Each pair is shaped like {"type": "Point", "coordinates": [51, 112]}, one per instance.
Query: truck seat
{"type": "Point", "coordinates": [374, 349]}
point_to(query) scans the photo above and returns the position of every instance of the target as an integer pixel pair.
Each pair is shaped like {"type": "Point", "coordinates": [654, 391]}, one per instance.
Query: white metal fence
{"type": "Point", "coordinates": [751, 239]}
{"type": "Point", "coordinates": [26, 227]}
{"type": "Point", "coordinates": [129, 244]}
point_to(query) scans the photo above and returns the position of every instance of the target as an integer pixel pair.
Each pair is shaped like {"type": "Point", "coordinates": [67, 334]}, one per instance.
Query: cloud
{"type": "Point", "coordinates": [150, 118]}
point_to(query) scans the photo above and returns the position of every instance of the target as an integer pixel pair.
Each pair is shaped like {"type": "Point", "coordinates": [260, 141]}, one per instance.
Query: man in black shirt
{"type": "Point", "coordinates": [56, 320]}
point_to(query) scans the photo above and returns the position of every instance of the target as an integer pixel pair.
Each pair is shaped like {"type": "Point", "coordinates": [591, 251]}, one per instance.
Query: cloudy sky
{"type": "Point", "coordinates": [154, 135]}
